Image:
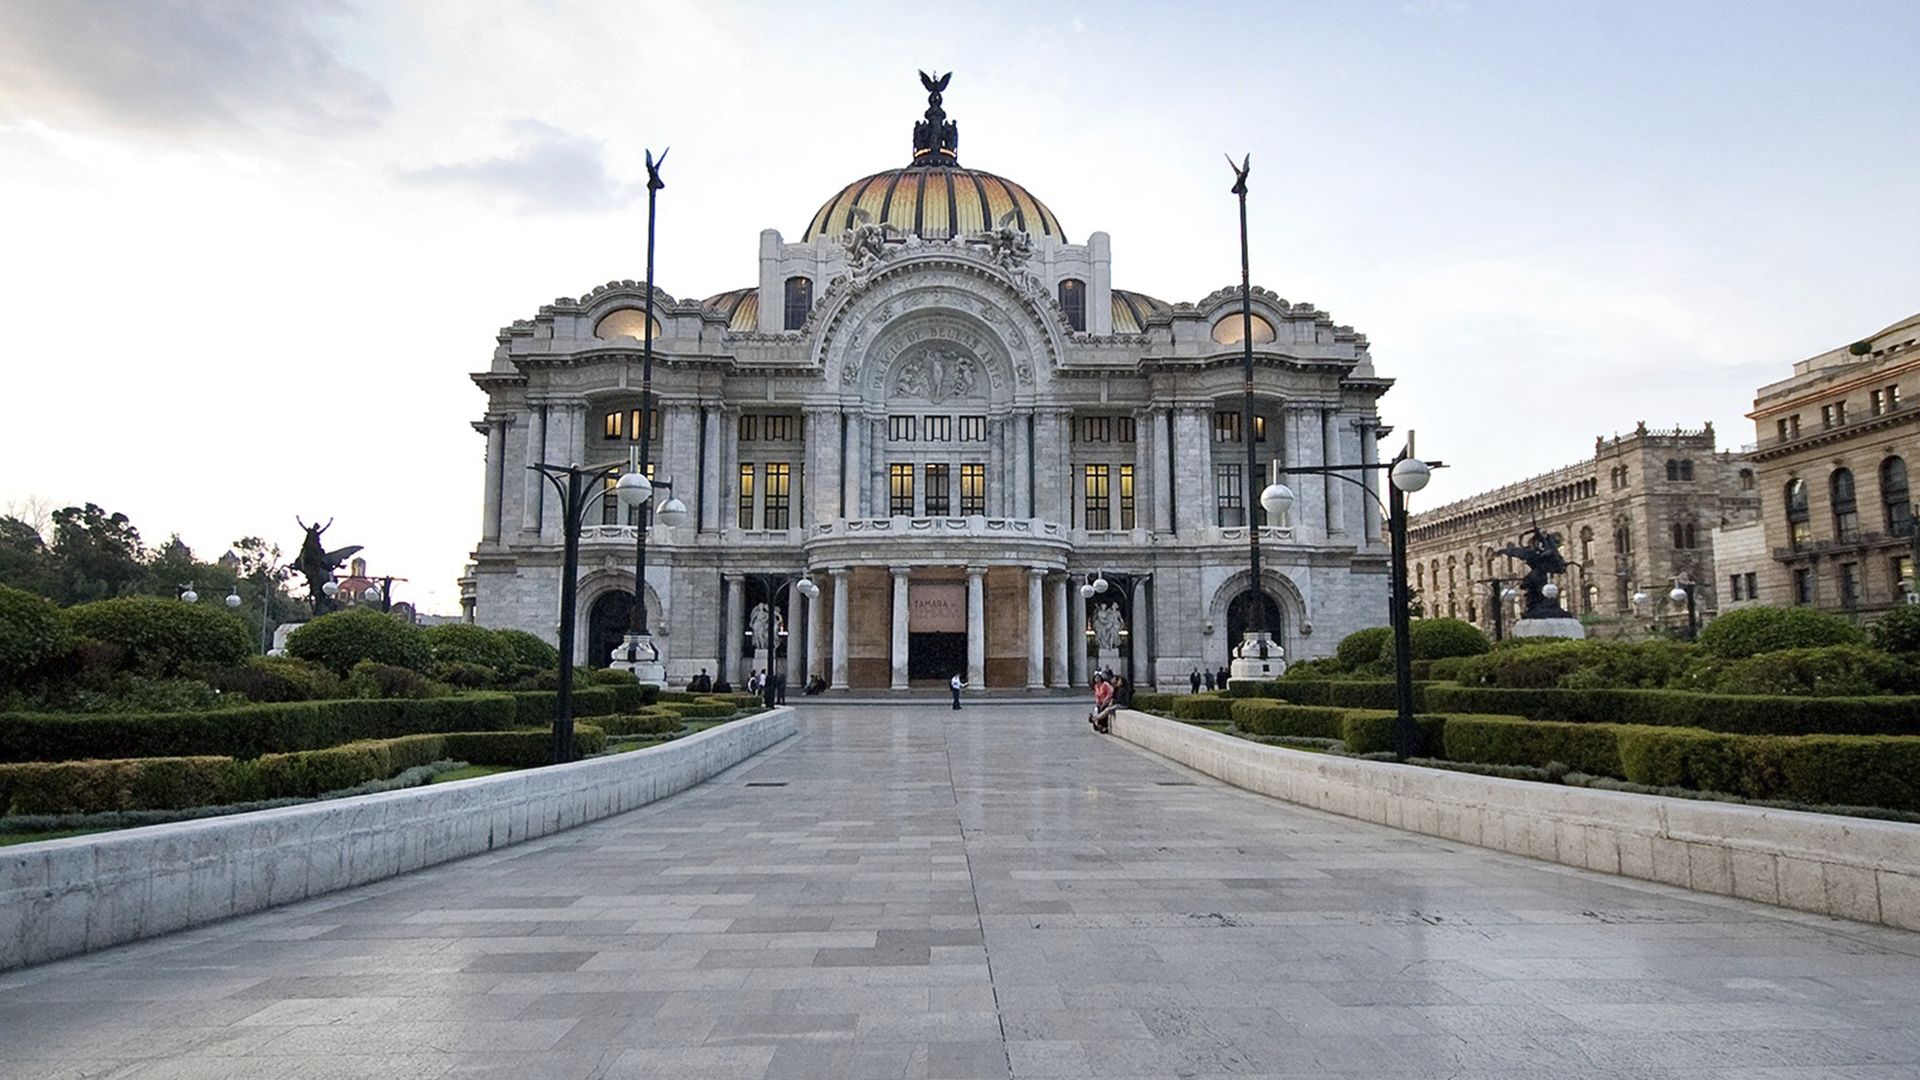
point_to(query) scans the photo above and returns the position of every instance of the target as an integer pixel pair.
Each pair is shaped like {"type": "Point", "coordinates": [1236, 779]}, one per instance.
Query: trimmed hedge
{"type": "Point", "coordinates": [525, 749]}
{"type": "Point", "coordinates": [1344, 693]}
{"type": "Point", "coordinates": [87, 787]}
{"type": "Point", "coordinates": [656, 720]}
{"type": "Point", "coordinates": [1372, 731]}
{"type": "Point", "coordinates": [1263, 717]}
{"type": "Point", "coordinates": [1742, 714]}
{"type": "Point", "coordinates": [1509, 740]}
{"type": "Point", "coordinates": [536, 706]}
{"type": "Point", "coordinates": [1209, 707]}
{"type": "Point", "coordinates": [246, 732]}
{"type": "Point", "coordinates": [163, 637]}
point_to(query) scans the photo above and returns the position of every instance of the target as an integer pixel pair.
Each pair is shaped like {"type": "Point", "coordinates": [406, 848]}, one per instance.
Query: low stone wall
{"type": "Point", "coordinates": [61, 897]}
{"type": "Point", "coordinates": [1849, 868]}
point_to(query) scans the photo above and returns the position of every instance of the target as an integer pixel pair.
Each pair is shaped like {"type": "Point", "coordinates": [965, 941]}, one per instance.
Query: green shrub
{"type": "Point", "coordinates": [1375, 731]}
{"type": "Point", "coordinates": [1158, 704]}
{"type": "Point", "coordinates": [32, 632]}
{"type": "Point", "coordinates": [164, 637]}
{"type": "Point", "coordinates": [276, 678]}
{"type": "Point", "coordinates": [1208, 707]}
{"type": "Point", "coordinates": [91, 787]}
{"type": "Point", "coordinates": [1750, 631]}
{"type": "Point", "coordinates": [465, 643]}
{"type": "Point", "coordinates": [1829, 671]}
{"type": "Point", "coordinates": [530, 651]}
{"type": "Point", "coordinates": [1363, 647]}
{"type": "Point", "coordinates": [464, 676]}
{"type": "Point", "coordinates": [656, 720]}
{"type": "Point", "coordinates": [1508, 740]}
{"type": "Point", "coordinates": [1561, 662]}
{"type": "Point", "coordinates": [341, 639]}
{"type": "Point", "coordinates": [521, 749]}
{"type": "Point", "coordinates": [375, 680]}
{"type": "Point", "coordinates": [1835, 771]}
{"type": "Point", "coordinates": [1737, 714]}
{"type": "Point", "coordinates": [1898, 631]}
{"type": "Point", "coordinates": [1700, 760]}
{"type": "Point", "coordinates": [1435, 639]}
{"type": "Point", "coordinates": [1261, 716]}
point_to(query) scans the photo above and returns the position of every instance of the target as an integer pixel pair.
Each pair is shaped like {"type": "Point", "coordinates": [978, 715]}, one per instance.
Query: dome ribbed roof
{"type": "Point", "coordinates": [934, 203]}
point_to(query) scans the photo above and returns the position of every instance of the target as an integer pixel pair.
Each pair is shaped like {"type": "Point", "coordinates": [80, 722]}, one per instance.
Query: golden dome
{"type": "Point", "coordinates": [934, 203]}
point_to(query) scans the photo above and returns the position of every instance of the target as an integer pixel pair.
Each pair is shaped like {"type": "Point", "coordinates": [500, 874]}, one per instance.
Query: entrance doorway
{"type": "Point", "coordinates": [607, 624]}
{"type": "Point", "coordinates": [936, 656]}
{"type": "Point", "coordinates": [1239, 619]}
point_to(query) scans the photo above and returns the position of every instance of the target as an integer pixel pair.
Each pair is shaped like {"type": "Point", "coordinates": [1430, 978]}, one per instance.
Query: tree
{"type": "Point", "coordinates": [32, 631]}
{"type": "Point", "coordinates": [25, 562]}
{"type": "Point", "coordinates": [96, 554]}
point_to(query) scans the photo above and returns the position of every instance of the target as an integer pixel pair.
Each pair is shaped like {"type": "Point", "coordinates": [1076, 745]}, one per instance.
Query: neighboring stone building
{"type": "Point", "coordinates": [1834, 442]}
{"type": "Point", "coordinates": [945, 416]}
{"type": "Point", "coordinates": [1635, 519]}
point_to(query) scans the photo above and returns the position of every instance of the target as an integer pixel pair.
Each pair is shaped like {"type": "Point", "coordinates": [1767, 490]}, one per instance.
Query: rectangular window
{"type": "Point", "coordinates": [1876, 402]}
{"type": "Point", "coordinates": [1126, 497]}
{"type": "Point", "coordinates": [900, 490]}
{"type": "Point", "coordinates": [939, 490]}
{"type": "Point", "coordinates": [1753, 586]}
{"type": "Point", "coordinates": [1902, 574]}
{"type": "Point", "coordinates": [616, 426]}
{"type": "Point", "coordinates": [745, 516]}
{"type": "Point", "coordinates": [799, 302]}
{"type": "Point", "coordinates": [973, 429]}
{"type": "Point", "coordinates": [1733, 588]}
{"type": "Point", "coordinates": [1227, 495]}
{"type": "Point", "coordinates": [1803, 586]}
{"type": "Point", "coordinates": [1123, 429]}
{"type": "Point", "coordinates": [973, 490]}
{"type": "Point", "coordinates": [779, 483]}
{"type": "Point", "coordinates": [1846, 525]}
{"type": "Point", "coordinates": [779, 429]}
{"type": "Point", "coordinates": [900, 428]}
{"type": "Point", "coordinates": [1259, 429]}
{"type": "Point", "coordinates": [749, 427]}
{"type": "Point", "coordinates": [1833, 415]}
{"type": "Point", "coordinates": [1893, 397]}
{"type": "Point", "coordinates": [1226, 427]}
{"type": "Point", "coordinates": [1096, 429]}
{"type": "Point", "coordinates": [1099, 508]}
{"type": "Point", "coordinates": [1849, 585]}
{"type": "Point", "coordinates": [937, 428]}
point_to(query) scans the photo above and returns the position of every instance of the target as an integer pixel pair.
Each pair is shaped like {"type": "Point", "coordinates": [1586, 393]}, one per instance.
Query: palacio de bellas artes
{"type": "Point", "coordinates": [932, 436]}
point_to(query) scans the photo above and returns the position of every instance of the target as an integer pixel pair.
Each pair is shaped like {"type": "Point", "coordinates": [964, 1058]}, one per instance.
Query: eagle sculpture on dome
{"type": "Point", "coordinates": [936, 140]}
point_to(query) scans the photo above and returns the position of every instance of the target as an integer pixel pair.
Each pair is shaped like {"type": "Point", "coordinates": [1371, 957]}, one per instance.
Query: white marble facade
{"type": "Point", "coordinates": [946, 418]}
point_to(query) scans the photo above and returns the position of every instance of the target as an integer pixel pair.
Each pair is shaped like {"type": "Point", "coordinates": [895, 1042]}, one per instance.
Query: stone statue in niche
{"type": "Point", "coordinates": [1106, 627]}
{"type": "Point", "coordinates": [757, 622]}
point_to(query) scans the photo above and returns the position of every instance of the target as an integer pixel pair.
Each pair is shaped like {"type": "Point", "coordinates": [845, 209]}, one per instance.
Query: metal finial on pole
{"type": "Point", "coordinates": [637, 620]}
{"type": "Point", "coordinates": [1257, 617]}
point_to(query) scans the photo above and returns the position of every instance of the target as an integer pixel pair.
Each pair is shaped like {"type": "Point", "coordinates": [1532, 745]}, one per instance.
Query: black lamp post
{"type": "Point", "coordinates": [771, 584]}
{"type": "Point", "coordinates": [636, 487]}
{"type": "Point", "coordinates": [1405, 474]}
{"type": "Point", "coordinates": [577, 489]}
{"type": "Point", "coordinates": [1502, 592]}
{"type": "Point", "coordinates": [1257, 618]}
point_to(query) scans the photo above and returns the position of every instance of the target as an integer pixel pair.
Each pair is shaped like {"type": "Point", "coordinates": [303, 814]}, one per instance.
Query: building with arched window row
{"type": "Point", "coordinates": [941, 410]}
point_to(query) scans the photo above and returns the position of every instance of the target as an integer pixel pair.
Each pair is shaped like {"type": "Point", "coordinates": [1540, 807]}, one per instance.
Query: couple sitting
{"type": "Point", "coordinates": [1103, 705]}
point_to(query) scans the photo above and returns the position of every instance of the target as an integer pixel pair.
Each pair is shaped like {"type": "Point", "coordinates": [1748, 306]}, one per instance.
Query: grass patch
{"type": "Point", "coordinates": [468, 772]}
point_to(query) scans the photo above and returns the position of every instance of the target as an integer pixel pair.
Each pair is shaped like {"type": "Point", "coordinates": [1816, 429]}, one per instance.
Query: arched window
{"type": "Point", "coordinates": [1073, 300]}
{"type": "Point", "coordinates": [1746, 479]}
{"type": "Point", "coordinates": [1686, 468]}
{"type": "Point", "coordinates": [1228, 331]}
{"type": "Point", "coordinates": [1846, 510]}
{"type": "Point", "coordinates": [1586, 543]}
{"type": "Point", "coordinates": [1894, 497]}
{"type": "Point", "coordinates": [626, 322]}
{"type": "Point", "coordinates": [799, 302]}
{"type": "Point", "coordinates": [1673, 469]}
{"type": "Point", "coordinates": [1797, 513]}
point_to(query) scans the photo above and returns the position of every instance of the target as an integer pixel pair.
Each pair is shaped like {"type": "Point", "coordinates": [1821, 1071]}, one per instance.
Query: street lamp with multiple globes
{"type": "Point", "coordinates": [1405, 474]}
{"type": "Point", "coordinates": [637, 653]}
{"type": "Point", "coordinates": [1683, 594]}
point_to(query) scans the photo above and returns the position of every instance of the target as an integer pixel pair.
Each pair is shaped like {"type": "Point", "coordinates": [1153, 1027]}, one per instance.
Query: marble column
{"type": "Point", "coordinates": [1021, 473]}
{"type": "Point", "coordinates": [1193, 470]}
{"type": "Point", "coordinates": [823, 467]}
{"type": "Point", "coordinates": [1336, 488]}
{"type": "Point", "coordinates": [1304, 449]}
{"type": "Point", "coordinates": [816, 629]}
{"type": "Point", "coordinates": [496, 469]}
{"type": "Point", "coordinates": [727, 419]}
{"type": "Point", "coordinates": [535, 488]}
{"type": "Point", "coordinates": [897, 652]}
{"type": "Point", "coordinates": [731, 629]}
{"type": "Point", "coordinates": [877, 502]}
{"type": "Point", "coordinates": [1370, 454]}
{"type": "Point", "coordinates": [853, 482]}
{"type": "Point", "coordinates": [838, 576]}
{"type": "Point", "coordinates": [796, 636]}
{"type": "Point", "coordinates": [999, 468]}
{"type": "Point", "coordinates": [1150, 469]}
{"type": "Point", "coordinates": [1077, 674]}
{"type": "Point", "coordinates": [1057, 662]}
{"type": "Point", "coordinates": [976, 626]}
{"type": "Point", "coordinates": [706, 500]}
{"type": "Point", "coordinates": [1036, 630]}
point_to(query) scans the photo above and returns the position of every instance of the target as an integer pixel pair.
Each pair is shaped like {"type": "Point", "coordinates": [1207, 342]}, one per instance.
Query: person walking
{"type": "Point", "coordinates": [1208, 675]}
{"type": "Point", "coordinates": [957, 684]}
{"type": "Point", "coordinates": [1221, 679]}
{"type": "Point", "coordinates": [1193, 680]}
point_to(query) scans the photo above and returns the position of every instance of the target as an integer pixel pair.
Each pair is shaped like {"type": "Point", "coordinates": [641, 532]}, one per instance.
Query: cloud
{"type": "Point", "coordinates": [550, 170]}
{"type": "Point", "coordinates": [171, 66]}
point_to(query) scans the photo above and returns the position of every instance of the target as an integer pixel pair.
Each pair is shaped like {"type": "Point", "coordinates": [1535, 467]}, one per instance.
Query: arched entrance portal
{"type": "Point", "coordinates": [607, 626]}
{"type": "Point", "coordinates": [1239, 619]}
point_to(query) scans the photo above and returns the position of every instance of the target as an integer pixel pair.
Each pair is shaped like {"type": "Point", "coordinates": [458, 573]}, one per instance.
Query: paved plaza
{"type": "Point", "coordinates": [906, 891]}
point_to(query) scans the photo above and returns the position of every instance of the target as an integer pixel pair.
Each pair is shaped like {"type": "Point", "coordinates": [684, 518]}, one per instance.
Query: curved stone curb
{"type": "Point", "coordinates": [1848, 868]}
{"type": "Point", "coordinates": [61, 897]}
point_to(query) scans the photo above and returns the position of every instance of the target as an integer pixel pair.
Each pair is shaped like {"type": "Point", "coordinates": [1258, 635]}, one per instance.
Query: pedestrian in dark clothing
{"type": "Point", "coordinates": [1221, 679]}
{"type": "Point", "coordinates": [1209, 677]}
{"type": "Point", "coordinates": [1193, 680]}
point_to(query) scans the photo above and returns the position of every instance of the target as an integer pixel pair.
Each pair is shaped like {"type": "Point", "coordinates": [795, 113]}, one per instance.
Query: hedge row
{"type": "Point", "coordinates": [1824, 770]}
{"type": "Point", "coordinates": [1736, 714]}
{"type": "Point", "coordinates": [175, 783]}
{"type": "Point", "coordinates": [1340, 693]}
{"type": "Point", "coordinates": [253, 730]}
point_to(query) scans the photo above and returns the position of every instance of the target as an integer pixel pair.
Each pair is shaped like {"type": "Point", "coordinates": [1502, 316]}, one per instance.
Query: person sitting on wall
{"type": "Point", "coordinates": [816, 685]}
{"type": "Point", "coordinates": [723, 687]}
{"type": "Point", "coordinates": [1103, 705]}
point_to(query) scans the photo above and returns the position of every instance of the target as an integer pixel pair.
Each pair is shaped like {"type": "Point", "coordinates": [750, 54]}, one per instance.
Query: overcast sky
{"type": "Point", "coordinates": [250, 251]}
